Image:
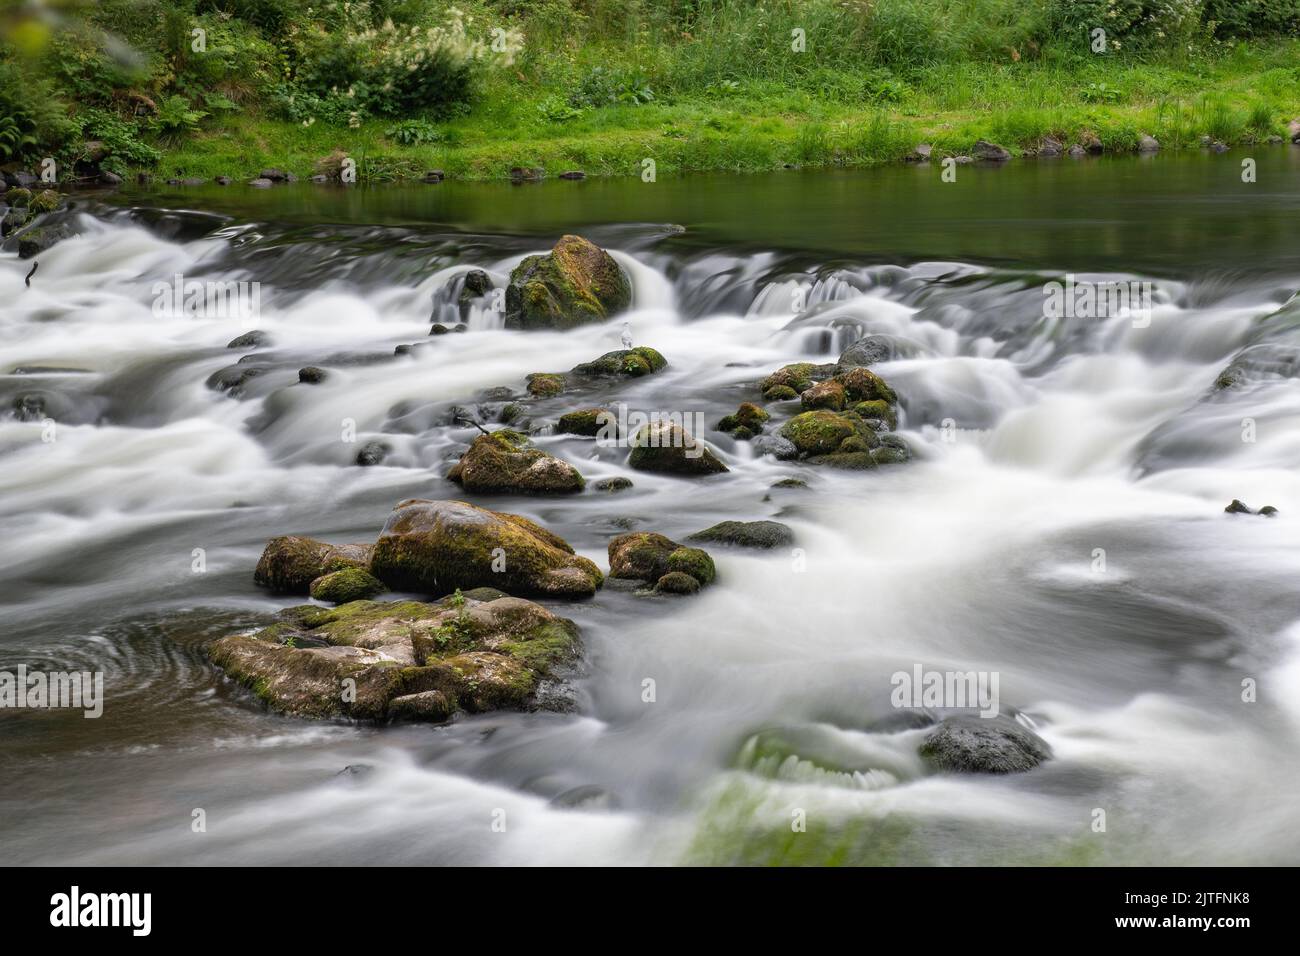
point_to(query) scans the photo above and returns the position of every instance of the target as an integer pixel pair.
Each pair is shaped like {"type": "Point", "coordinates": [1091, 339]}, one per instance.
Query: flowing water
{"type": "Point", "coordinates": [1062, 523]}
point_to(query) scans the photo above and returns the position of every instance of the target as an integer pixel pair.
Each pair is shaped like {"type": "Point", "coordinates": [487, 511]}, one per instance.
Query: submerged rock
{"type": "Point", "coordinates": [506, 461]}
{"type": "Point", "coordinates": [746, 534]}
{"type": "Point", "coordinates": [249, 340]}
{"type": "Point", "coordinates": [576, 283]}
{"type": "Point", "coordinates": [587, 422]}
{"type": "Point", "coordinates": [1238, 507]}
{"type": "Point", "coordinates": [613, 484]}
{"type": "Point", "coordinates": [406, 660]}
{"type": "Point", "coordinates": [984, 745]}
{"type": "Point", "coordinates": [647, 556]}
{"type": "Point", "coordinates": [664, 446]}
{"type": "Point", "coordinates": [290, 563]}
{"type": "Point", "coordinates": [434, 547]}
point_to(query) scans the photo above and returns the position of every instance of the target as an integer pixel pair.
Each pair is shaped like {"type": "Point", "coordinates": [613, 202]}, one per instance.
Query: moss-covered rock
{"type": "Point", "coordinates": [545, 384]}
{"type": "Point", "coordinates": [350, 584]}
{"type": "Point", "coordinates": [746, 534]}
{"type": "Point", "coordinates": [665, 446]}
{"type": "Point", "coordinates": [434, 547]}
{"type": "Point", "coordinates": [618, 483]}
{"type": "Point", "coordinates": [632, 363]}
{"type": "Point", "coordinates": [818, 432]}
{"type": "Point", "coordinates": [677, 582]}
{"type": "Point", "coordinates": [290, 563]}
{"type": "Point", "coordinates": [746, 422]}
{"type": "Point", "coordinates": [796, 377]}
{"type": "Point", "coordinates": [864, 385]}
{"type": "Point", "coordinates": [587, 421]}
{"type": "Point", "coordinates": [47, 200]}
{"type": "Point", "coordinates": [576, 283]}
{"type": "Point", "coordinates": [828, 394]}
{"type": "Point", "coordinates": [506, 461]}
{"type": "Point", "coordinates": [984, 745]}
{"type": "Point", "coordinates": [19, 198]}
{"type": "Point", "coordinates": [877, 411]}
{"type": "Point", "coordinates": [780, 393]}
{"type": "Point", "coordinates": [405, 660]}
{"type": "Point", "coordinates": [648, 556]}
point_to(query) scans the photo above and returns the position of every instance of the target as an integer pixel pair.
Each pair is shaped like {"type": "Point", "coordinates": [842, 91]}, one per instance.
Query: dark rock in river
{"type": "Point", "coordinates": [669, 448]}
{"type": "Point", "coordinates": [746, 534]}
{"type": "Point", "coordinates": [613, 484]}
{"type": "Point", "coordinates": [588, 422]}
{"type": "Point", "coordinates": [1238, 507]}
{"type": "Point", "coordinates": [984, 745]}
{"type": "Point", "coordinates": [576, 283]}
{"type": "Point", "coordinates": [990, 152]}
{"type": "Point", "coordinates": [746, 422]}
{"type": "Point", "coordinates": [249, 340]}
{"type": "Point", "coordinates": [312, 375]}
{"type": "Point", "coordinates": [372, 453]}
{"type": "Point", "coordinates": [647, 556]}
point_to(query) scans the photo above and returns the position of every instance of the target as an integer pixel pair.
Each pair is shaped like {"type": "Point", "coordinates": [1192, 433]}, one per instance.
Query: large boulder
{"type": "Point", "coordinates": [667, 447]}
{"type": "Point", "coordinates": [290, 562]}
{"type": "Point", "coordinates": [506, 461]}
{"type": "Point", "coordinates": [789, 380]}
{"type": "Point", "coordinates": [843, 439]}
{"type": "Point", "coordinates": [848, 388]}
{"type": "Point", "coordinates": [576, 283]}
{"type": "Point", "coordinates": [434, 547]}
{"type": "Point", "coordinates": [405, 660]}
{"type": "Point", "coordinates": [650, 557]}
{"type": "Point", "coordinates": [984, 745]}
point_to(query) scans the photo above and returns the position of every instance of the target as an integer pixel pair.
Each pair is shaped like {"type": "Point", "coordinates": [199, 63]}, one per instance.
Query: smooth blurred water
{"type": "Point", "coordinates": [1068, 436]}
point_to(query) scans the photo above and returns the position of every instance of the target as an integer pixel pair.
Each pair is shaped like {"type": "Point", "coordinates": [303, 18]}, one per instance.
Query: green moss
{"type": "Point", "coordinates": [576, 283]}
{"type": "Point", "coordinates": [779, 393]}
{"type": "Point", "coordinates": [652, 358]}
{"type": "Point", "coordinates": [349, 584]}
{"type": "Point", "coordinates": [749, 418]}
{"type": "Point", "coordinates": [47, 200]}
{"type": "Point", "coordinates": [585, 421]}
{"type": "Point", "coordinates": [677, 582]}
{"type": "Point", "coordinates": [506, 461]}
{"type": "Point", "coordinates": [19, 197]}
{"type": "Point", "coordinates": [817, 433]}
{"type": "Point", "coordinates": [545, 384]}
{"type": "Point", "coordinates": [795, 377]}
{"type": "Point", "coordinates": [877, 410]}
{"type": "Point", "coordinates": [693, 561]}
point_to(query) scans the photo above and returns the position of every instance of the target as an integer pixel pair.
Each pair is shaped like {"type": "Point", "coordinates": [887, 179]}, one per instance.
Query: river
{"type": "Point", "coordinates": [1061, 523]}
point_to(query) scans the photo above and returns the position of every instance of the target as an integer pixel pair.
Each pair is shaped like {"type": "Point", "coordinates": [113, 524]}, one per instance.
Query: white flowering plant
{"type": "Point", "coordinates": [352, 64]}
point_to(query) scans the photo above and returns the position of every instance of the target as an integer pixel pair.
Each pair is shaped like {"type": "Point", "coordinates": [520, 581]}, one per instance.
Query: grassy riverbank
{"type": "Point", "coordinates": [583, 84]}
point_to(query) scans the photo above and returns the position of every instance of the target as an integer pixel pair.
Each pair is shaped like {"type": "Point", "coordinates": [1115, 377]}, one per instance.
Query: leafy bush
{"type": "Point", "coordinates": [175, 119]}
{"type": "Point", "coordinates": [391, 70]}
{"type": "Point", "coordinates": [1133, 23]}
{"type": "Point", "coordinates": [611, 87]}
{"type": "Point", "coordinates": [120, 138]}
{"type": "Point", "coordinates": [1252, 18]}
{"type": "Point", "coordinates": [413, 132]}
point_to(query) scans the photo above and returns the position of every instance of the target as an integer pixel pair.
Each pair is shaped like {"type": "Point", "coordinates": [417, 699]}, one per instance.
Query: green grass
{"type": "Point", "coordinates": [1243, 96]}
